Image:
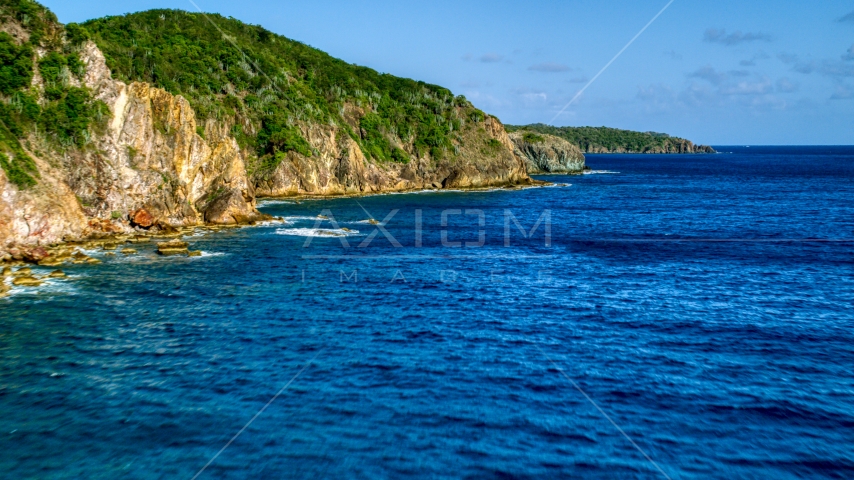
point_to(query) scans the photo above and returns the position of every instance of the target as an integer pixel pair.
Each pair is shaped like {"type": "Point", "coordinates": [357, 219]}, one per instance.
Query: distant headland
{"type": "Point", "coordinates": [612, 140]}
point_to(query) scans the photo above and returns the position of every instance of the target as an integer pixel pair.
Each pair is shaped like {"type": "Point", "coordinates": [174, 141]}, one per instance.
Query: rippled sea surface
{"type": "Point", "coordinates": [704, 303]}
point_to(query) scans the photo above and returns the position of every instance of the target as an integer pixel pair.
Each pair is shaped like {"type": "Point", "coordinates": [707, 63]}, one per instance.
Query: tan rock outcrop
{"type": "Point", "coordinates": [548, 154]}
{"type": "Point", "coordinates": [154, 162]}
{"type": "Point", "coordinates": [339, 167]}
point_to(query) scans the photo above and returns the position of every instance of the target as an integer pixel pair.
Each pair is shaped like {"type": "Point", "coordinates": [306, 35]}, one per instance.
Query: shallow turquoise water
{"type": "Point", "coordinates": [705, 303]}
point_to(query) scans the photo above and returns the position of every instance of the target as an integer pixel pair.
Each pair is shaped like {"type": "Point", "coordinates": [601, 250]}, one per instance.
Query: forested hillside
{"type": "Point", "coordinates": [612, 140]}
{"type": "Point", "coordinates": [227, 68]}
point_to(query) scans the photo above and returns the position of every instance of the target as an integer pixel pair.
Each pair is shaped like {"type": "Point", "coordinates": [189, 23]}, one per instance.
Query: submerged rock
{"type": "Point", "coordinates": [57, 274]}
{"type": "Point", "coordinates": [21, 272]}
{"type": "Point", "coordinates": [51, 262]}
{"type": "Point", "coordinates": [194, 253]}
{"type": "Point", "coordinates": [7, 272]}
{"type": "Point", "coordinates": [26, 281]}
{"type": "Point", "coordinates": [128, 251]}
{"type": "Point", "coordinates": [173, 247]}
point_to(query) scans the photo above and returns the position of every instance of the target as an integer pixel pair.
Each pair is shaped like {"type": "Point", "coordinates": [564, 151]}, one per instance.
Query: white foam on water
{"type": "Point", "coordinates": [317, 232]}
{"type": "Point", "coordinates": [49, 286]}
{"type": "Point", "coordinates": [599, 172]}
{"type": "Point", "coordinates": [211, 254]}
{"type": "Point", "coordinates": [268, 203]}
{"type": "Point", "coordinates": [297, 218]}
{"type": "Point", "coordinates": [273, 223]}
{"type": "Point", "coordinates": [94, 253]}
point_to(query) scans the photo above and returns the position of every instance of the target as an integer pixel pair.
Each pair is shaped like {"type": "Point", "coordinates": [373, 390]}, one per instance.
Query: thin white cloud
{"type": "Point", "coordinates": [531, 96]}
{"type": "Point", "coordinates": [713, 35]}
{"type": "Point", "coordinates": [829, 68]}
{"type": "Point", "coordinates": [549, 67]}
{"type": "Point", "coordinates": [710, 75]}
{"type": "Point", "coordinates": [491, 58]}
{"type": "Point", "coordinates": [784, 85]}
{"type": "Point", "coordinates": [761, 87]}
{"type": "Point", "coordinates": [751, 62]}
{"type": "Point", "coordinates": [660, 93]}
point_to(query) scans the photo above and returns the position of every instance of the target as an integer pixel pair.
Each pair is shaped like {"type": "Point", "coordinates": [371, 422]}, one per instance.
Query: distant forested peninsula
{"type": "Point", "coordinates": [612, 140]}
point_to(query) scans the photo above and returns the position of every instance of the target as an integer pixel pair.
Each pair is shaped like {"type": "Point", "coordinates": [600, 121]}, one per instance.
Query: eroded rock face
{"type": "Point", "coordinates": [148, 157]}
{"type": "Point", "coordinates": [141, 218]}
{"type": "Point", "coordinates": [548, 154]}
{"type": "Point", "coordinates": [46, 213]}
{"type": "Point", "coordinates": [154, 162]}
{"type": "Point", "coordinates": [339, 167]}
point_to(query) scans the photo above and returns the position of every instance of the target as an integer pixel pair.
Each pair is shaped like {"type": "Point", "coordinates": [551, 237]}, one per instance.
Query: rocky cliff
{"type": "Point", "coordinates": [150, 164]}
{"type": "Point", "coordinates": [145, 167]}
{"type": "Point", "coordinates": [677, 146]}
{"type": "Point", "coordinates": [338, 166]}
{"type": "Point", "coordinates": [545, 154]}
{"type": "Point", "coordinates": [151, 157]}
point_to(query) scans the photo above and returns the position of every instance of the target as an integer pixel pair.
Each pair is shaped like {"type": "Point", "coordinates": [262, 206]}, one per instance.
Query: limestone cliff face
{"type": "Point", "coordinates": [152, 157]}
{"type": "Point", "coordinates": [147, 157]}
{"type": "Point", "coordinates": [484, 158]}
{"type": "Point", "coordinates": [548, 154]}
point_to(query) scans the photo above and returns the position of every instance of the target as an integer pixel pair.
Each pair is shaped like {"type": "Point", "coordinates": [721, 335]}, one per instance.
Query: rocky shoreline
{"type": "Point", "coordinates": [152, 168]}
{"type": "Point", "coordinates": [16, 261]}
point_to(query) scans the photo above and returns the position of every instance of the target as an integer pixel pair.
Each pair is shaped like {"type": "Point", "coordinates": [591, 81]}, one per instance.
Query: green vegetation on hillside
{"type": "Point", "coordinates": [248, 74]}
{"type": "Point", "coordinates": [59, 113]}
{"type": "Point", "coordinates": [603, 139]}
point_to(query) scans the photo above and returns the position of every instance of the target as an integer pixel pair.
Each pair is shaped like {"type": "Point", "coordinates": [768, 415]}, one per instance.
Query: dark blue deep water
{"type": "Point", "coordinates": [704, 303]}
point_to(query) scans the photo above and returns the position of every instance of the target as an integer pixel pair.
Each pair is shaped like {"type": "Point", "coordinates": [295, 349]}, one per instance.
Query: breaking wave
{"type": "Point", "coordinates": [317, 232]}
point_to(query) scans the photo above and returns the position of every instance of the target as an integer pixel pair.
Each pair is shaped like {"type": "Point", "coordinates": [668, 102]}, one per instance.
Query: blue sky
{"type": "Point", "coordinates": [722, 72]}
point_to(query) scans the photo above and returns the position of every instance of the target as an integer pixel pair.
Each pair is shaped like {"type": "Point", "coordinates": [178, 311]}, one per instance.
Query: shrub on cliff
{"type": "Point", "coordinates": [16, 65]}
{"type": "Point", "coordinates": [64, 112]}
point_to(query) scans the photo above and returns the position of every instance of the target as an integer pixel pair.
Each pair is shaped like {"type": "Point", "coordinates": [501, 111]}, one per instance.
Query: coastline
{"type": "Point", "coordinates": [73, 252]}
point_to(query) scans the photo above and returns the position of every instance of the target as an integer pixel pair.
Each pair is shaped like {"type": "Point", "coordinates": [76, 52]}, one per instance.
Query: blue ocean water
{"type": "Point", "coordinates": [704, 303]}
